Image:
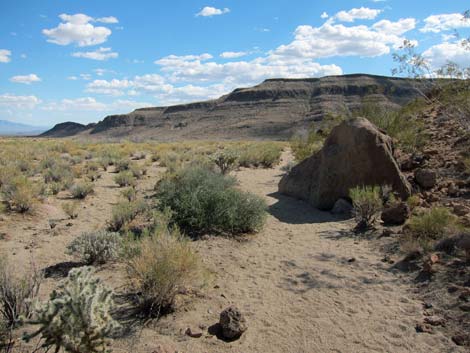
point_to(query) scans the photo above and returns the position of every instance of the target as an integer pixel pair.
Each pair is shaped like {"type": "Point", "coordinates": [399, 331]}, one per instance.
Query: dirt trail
{"type": "Point", "coordinates": [298, 290]}
{"type": "Point", "coordinates": [293, 280]}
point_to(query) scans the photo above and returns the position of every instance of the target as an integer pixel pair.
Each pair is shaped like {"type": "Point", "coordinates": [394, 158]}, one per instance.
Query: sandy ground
{"type": "Point", "coordinates": [305, 284]}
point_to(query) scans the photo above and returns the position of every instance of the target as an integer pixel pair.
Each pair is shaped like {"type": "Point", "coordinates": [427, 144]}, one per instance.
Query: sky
{"type": "Point", "coordinates": [80, 60]}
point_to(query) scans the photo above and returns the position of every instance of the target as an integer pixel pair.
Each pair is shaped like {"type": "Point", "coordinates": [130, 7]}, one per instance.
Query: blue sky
{"type": "Point", "coordinates": [72, 60]}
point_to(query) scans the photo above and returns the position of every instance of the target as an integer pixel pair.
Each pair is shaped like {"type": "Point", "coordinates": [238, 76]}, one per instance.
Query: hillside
{"type": "Point", "coordinates": [12, 128]}
{"type": "Point", "coordinates": [273, 109]}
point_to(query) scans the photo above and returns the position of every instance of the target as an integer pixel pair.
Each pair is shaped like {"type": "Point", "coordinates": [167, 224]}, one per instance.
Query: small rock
{"type": "Point", "coordinates": [426, 178]}
{"type": "Point", "coordinates": [352, 259]}
{"type": "Point", "coordinates": [232, 323]}
{"type": "Point", "coordinates": [342, 207]}
{"type": "Point", "coordinates": [193, 333]}
{"type": "Point", "coordinates": [461, 210]}
{"type": "Point", "coordinates": [461, 339]}
{"type": "Point", "coordinates": [387, 233]}
{"type": "Point", "coordinates": [465, 307]}
{"type": "Point", "coordinates": [435, 321]}
{"type": "Point", "coordinates": [396, 214]}
{"type": "Point", "coordinates": [423, 328]}
{"type": "Point", "coordinates": [427, 305]}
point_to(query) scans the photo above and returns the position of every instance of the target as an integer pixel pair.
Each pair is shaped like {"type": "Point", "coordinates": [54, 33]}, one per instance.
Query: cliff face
{"type": "Point", "coordinates": [273, 109]}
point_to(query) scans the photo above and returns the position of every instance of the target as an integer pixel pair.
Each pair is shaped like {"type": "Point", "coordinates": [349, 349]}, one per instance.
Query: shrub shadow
{"type": "Point", "coordinates": [61, 269]}
{"type": "Point", "coordinates": [295, 211]}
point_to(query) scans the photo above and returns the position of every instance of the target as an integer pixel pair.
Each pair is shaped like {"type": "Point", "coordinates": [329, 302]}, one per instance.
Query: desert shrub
{"type": "Point", "coordinates": [121, 165]}
{"type": "Point", "coordinates": [367, 203]}
{"type": "Point", "coordinates": [70, 209]}
{"type": "Point", "coordinates": [77, 316]}
{"type": "Point", "coordinates": [129, 194]}
{"type": "Point", "coordinates": [429, 226]}
{"type": "Point", "coordinates": [163, 264]}
{"type": "Point", "coordinates": [137, 171]}
{"type": "Point", "coordinates": [403, 125]}
{"type": "Point", "coordinates": [205, 201]}
{"type": "Point", "coordinates": [125, 178]}
{"type": "Point", "coordinates": [17, 294]}
{"type": "Point", "coordinates": [55, 188]}
{"type": "Point", "coordinates": [225, 160]}
{"type": "Point", "coordinates": [139, 155]}
{"type": "Point", "coordinates": [266, 155]}
{"type": "Point", "coordinates": [95, 247]}
{"type": "Point", "coordinates": [81, 190]}
{"type": "Point", "coordinates": [19, 193]}
{"type": "Point", "coordinates": [124, 212]}
{"type": "Point", "coordinates": [413, 201]}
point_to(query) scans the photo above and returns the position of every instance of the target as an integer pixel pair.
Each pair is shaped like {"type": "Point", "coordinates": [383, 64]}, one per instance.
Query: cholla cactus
{"type": "Point", "coordinates": [77, 316]}
{"type": "Point", "coordinates": [225, 160]}
{"type": "Point", "coordinates": [96, 247]}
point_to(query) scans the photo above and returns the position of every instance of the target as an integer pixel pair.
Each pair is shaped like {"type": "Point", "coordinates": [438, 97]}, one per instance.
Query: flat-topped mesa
{"type": "Point", "coordinates": [356, 153]}
{"type": "Point", "coordinates": [274, 109]}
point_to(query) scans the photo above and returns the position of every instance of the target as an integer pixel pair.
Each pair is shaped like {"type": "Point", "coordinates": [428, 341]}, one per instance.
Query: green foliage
{"type": "Point", "coordinates": [121, 165]}
{"type": "Point", "coordinates": [81, 190]}
{"type": "Point", "coordinates": [125, 178]}
{"type": "Point", "coordinates": [163, 264]}
{"type": "Point", "coordinates": [130, 194]}
{"type": "Point", "coordinates": [77, 316]}
{"type": "Point", "coordinates": [96, 247]}
{"type": "Point", "coordinates": [70, 209]}
{"type": "Point", "coordinates": [367, 203]}
{"type": "Point", "coordinates": [17, 294]}
{"type": "Point", "coordinates": [205, 201]}
{"type": "Point", "coordinates": [19, 194]}
{"type": "Point", "coordinates": [402, 125]}
{"type": "Point", "coordinates": [263, 154]}
{"type": "Point", "coordinates": [225, 160]}
{"type": "Point", "coordinates": [124, 212]}
{"type": "Point", "coordinates": [430, 225]}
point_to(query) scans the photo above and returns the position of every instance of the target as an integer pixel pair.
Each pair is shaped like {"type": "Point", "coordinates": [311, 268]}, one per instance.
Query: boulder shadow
{"type": "Point", "coordinates": [61, 269]}
{"type": "Point", "coordinates": [294, 211]}
{"type": "Point", "coordinates": [216, 330]}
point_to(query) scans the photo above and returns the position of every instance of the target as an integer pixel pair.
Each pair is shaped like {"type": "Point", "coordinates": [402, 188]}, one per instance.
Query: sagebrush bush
{"type": "Point", "coordinates": [81, 190]}
{"type": "Point", "coordinates": [121, 165]}
{"type": "Point", "coordinates": [19, 194]}
{"type": "Point", "coordinates": [206, 201]}
{"type": "Point", "coordinates": [266, 155]}
{"type": "Point", "coordinates": [95, 248]}
{"type": "Point", "coordinates": [163, 264]}
{"type": "Point", "coordinates": [70, 209]}
{"type": "Point", "coordinates": [429, 226]}
{"type": "Point", "coordinates": [367, 203]}
{"type": "Point", "coordinates": [17, 293]}
{"type": "Point", "coordinates": [226, 161]}
{"type": "Point", "coordinates": [130, 194]}
{"type": "Point", "coordinates": [77, 317]}
{"type": "Point", "coordinates": [125, 178]}
{"type": "Point", "coordinates": [124, 212]}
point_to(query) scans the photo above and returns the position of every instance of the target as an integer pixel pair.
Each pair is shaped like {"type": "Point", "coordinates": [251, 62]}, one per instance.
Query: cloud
{"type": "Point", "coordinates": [98, 54]}
{"type": "Point", "coordinates": [233, 54]}
{"type": "Point", "coordinates": [72, 78]}
{"type": "Point", "coordinates": [77, 29]}
{"type": "Point", "coordinates": [362, 13]}
{"type": "Point", "coordinates": [209, 11]}
{"type": "Point", "coordinates": [19, 102]}
{"type": "Point", "coordinates": [5, 56]}
{"type": "Point", "coordinates": [324, 15]}
{"type": "Point", "coordinates": [91, 104]}
{"type": "Point", "coordinates": [150, 83]}
{"type": "Point", "coordinates": [440, 54]}
{"type": "Point", "coordinates": [444, 22]}
{"type": "Point", "coordinates": [403, 25]}
{"type": "Point", "coordinates": [113, 87]}
{"type": "Point", "coordinates": [25, 79]}
{"type": "Point", "coordinates": [110, 19]}
{"type": "Point", "coordinates": [331, 40]}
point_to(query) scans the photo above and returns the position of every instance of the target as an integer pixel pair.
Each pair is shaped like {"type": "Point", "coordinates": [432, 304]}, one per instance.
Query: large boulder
{"type": "Point", "coordinates": [356, 153]}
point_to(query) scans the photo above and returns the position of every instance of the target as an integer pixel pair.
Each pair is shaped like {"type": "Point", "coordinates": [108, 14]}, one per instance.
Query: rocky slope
{"type": "Point", "coordinates": [273, 109]}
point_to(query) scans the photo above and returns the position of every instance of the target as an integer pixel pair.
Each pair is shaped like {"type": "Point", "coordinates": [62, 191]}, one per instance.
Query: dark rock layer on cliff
{"type": "Point", "coordinates": [274, 109]}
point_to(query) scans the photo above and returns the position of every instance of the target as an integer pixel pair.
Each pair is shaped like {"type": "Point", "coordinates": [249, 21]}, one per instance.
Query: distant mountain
{"type": "Point", "coordinates": [8, 128]}
{"type": "Point", "coordinates": [274, 109]}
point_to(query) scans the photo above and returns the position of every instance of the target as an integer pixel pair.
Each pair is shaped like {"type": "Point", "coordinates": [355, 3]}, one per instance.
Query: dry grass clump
{"type": "Point", "coordinates": [163, 264]}
{"type": "Point", "coordinates": [367, 203]}
{"type": "Point", "coordinates": [70, 209]}
{"type": "Point", "coordinates": [424, 229]}
{"type": "Point", "coordinates": [262, 154]}
{"type": "Point", "coordinates": [17, 294]}
{"type": "Point", "coordinates": [124, 212]}
{"type": "Point", "coordinates": [81, 190]}
{"type": "Point", "coordinates": [95, 248]}
{"type": "Point", "coordinates": [19, 193]}
{"type": "Point", "coordinates": [125, 178]}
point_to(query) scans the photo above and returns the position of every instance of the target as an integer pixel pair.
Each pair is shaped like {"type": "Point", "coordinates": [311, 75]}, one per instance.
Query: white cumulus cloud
{"type": "Point", "coordinates": [77, 29]}
{"type": "Point", "coordinates": [109, 19]}
{"type": "Point", "coordinates": [440, 54]}
{"type": "Point", "coordinates": [233, 54]}
{"type": "Point", "coordinates": [399, 27]}
{"type": "Point", "coordinates": [324, 15]}
{"type": "Point", "coordinates": [362, 13]}
{"type": "Point", "coordinates": [444, 22]}
{"type": "Point", "coordinates": [209, 11]}
{"type": "Point", "coordinates": [98, 54]}
{"type": "Point", "coordinates": [5, 56]}
{"type": "Point", "coordinates": [19, 102]}
{"type": "Point", "coordinates": [25, 79]}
